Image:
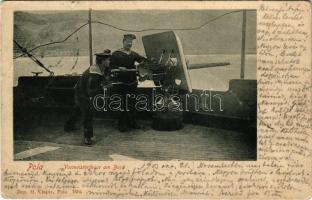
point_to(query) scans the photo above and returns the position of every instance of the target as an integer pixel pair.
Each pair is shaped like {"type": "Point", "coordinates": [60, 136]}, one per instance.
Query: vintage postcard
{"type": "Point", "coordinates": [156, 100]}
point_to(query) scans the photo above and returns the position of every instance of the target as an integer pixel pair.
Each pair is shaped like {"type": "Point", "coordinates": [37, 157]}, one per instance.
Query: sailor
{"type": "Point", "coordinates": [89, 84]}
{"type": "Point", "coordinates": [125, 60]}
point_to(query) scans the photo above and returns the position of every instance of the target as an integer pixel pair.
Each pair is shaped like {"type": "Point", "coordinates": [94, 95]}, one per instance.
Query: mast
{"type": "Point", "coordinates": [90, 39]}
{"type": "Point", "coordinates": [242, 72]}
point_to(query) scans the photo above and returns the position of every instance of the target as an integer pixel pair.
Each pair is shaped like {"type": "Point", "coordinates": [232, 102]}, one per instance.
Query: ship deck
{"type": "Point", "coordinates": [47, 141]}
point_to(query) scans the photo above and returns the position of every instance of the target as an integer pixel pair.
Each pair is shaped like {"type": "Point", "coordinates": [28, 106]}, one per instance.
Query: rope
{"type": "Point", "coordinates": [32, 57]}
{"type": "Point", "coordinates": [131, 30]}
{"type": "Point", "coordinates": [76, 61]}
{"type": "Point", "coordinates": [77, 54]}
{"type": "Point", "coordinates": [167, 29]}
{"type": "Point", "coordinates": [59, 62]}
{"type": "Point", "coordinates": [56, 42]}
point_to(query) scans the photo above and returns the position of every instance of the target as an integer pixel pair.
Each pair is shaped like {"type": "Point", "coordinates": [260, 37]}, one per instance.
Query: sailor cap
{"type": "Point", "coordinates": [130, 36]}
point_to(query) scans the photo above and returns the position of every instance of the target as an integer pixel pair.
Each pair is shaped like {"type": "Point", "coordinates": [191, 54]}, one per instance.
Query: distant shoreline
{"type": "Point", "coordinates": [187, 55]}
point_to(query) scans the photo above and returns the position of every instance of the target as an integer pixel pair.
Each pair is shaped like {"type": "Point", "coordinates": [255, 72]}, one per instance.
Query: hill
{"type": "Point", "coordinates": [222, 36]}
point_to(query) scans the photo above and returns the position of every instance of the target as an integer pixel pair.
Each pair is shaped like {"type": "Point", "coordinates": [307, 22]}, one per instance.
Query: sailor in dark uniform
{"type": "Point", "coordinates": [125, 59]}
{"type": "Point", "coordinates": [89, 84]}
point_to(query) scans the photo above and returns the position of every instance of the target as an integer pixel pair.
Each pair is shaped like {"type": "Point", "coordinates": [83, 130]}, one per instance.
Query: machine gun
{"type": "Point", "coordinates": [167, 66]}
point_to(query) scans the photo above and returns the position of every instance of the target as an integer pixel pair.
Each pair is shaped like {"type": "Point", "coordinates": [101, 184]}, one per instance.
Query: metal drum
{"type": "Point", "coordinates": [167, 121]}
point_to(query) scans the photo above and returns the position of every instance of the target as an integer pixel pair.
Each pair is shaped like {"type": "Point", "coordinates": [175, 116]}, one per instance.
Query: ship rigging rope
{"type": "Point", "coordinates": [32, 57]}
{"type": "Point", "coordinates": [169, 29]}
{"type": "Point", "coordinates": [130, 30]}
{"type": "Point", "coordinates": [56, 42]}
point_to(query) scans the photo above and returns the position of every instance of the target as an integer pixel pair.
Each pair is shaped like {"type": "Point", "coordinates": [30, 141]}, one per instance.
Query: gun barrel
{"type": "Point", "coordinates": [206, 65]}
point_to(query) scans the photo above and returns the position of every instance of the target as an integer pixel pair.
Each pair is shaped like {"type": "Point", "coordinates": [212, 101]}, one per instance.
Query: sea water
{"type": "Point", "coordinates": [213, 78]}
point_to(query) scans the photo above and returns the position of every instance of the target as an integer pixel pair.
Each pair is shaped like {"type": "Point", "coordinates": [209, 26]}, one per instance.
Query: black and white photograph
{"type": "Point", "coordinates": [135, 85]}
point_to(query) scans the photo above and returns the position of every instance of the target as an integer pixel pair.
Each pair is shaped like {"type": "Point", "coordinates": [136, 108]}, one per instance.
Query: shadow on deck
{"type": "Point", "coordinates": [193, 142]}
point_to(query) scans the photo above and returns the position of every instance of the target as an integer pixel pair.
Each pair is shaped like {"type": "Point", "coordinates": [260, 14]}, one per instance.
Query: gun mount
{"type": "Point", "coordinates": [168, 68]}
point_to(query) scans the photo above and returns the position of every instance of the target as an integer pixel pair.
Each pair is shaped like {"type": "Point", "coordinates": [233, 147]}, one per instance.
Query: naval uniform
{"type": "Point", "coordinates": [88, 86]}
{"type": "Point", "coordinates": [122, 58]}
